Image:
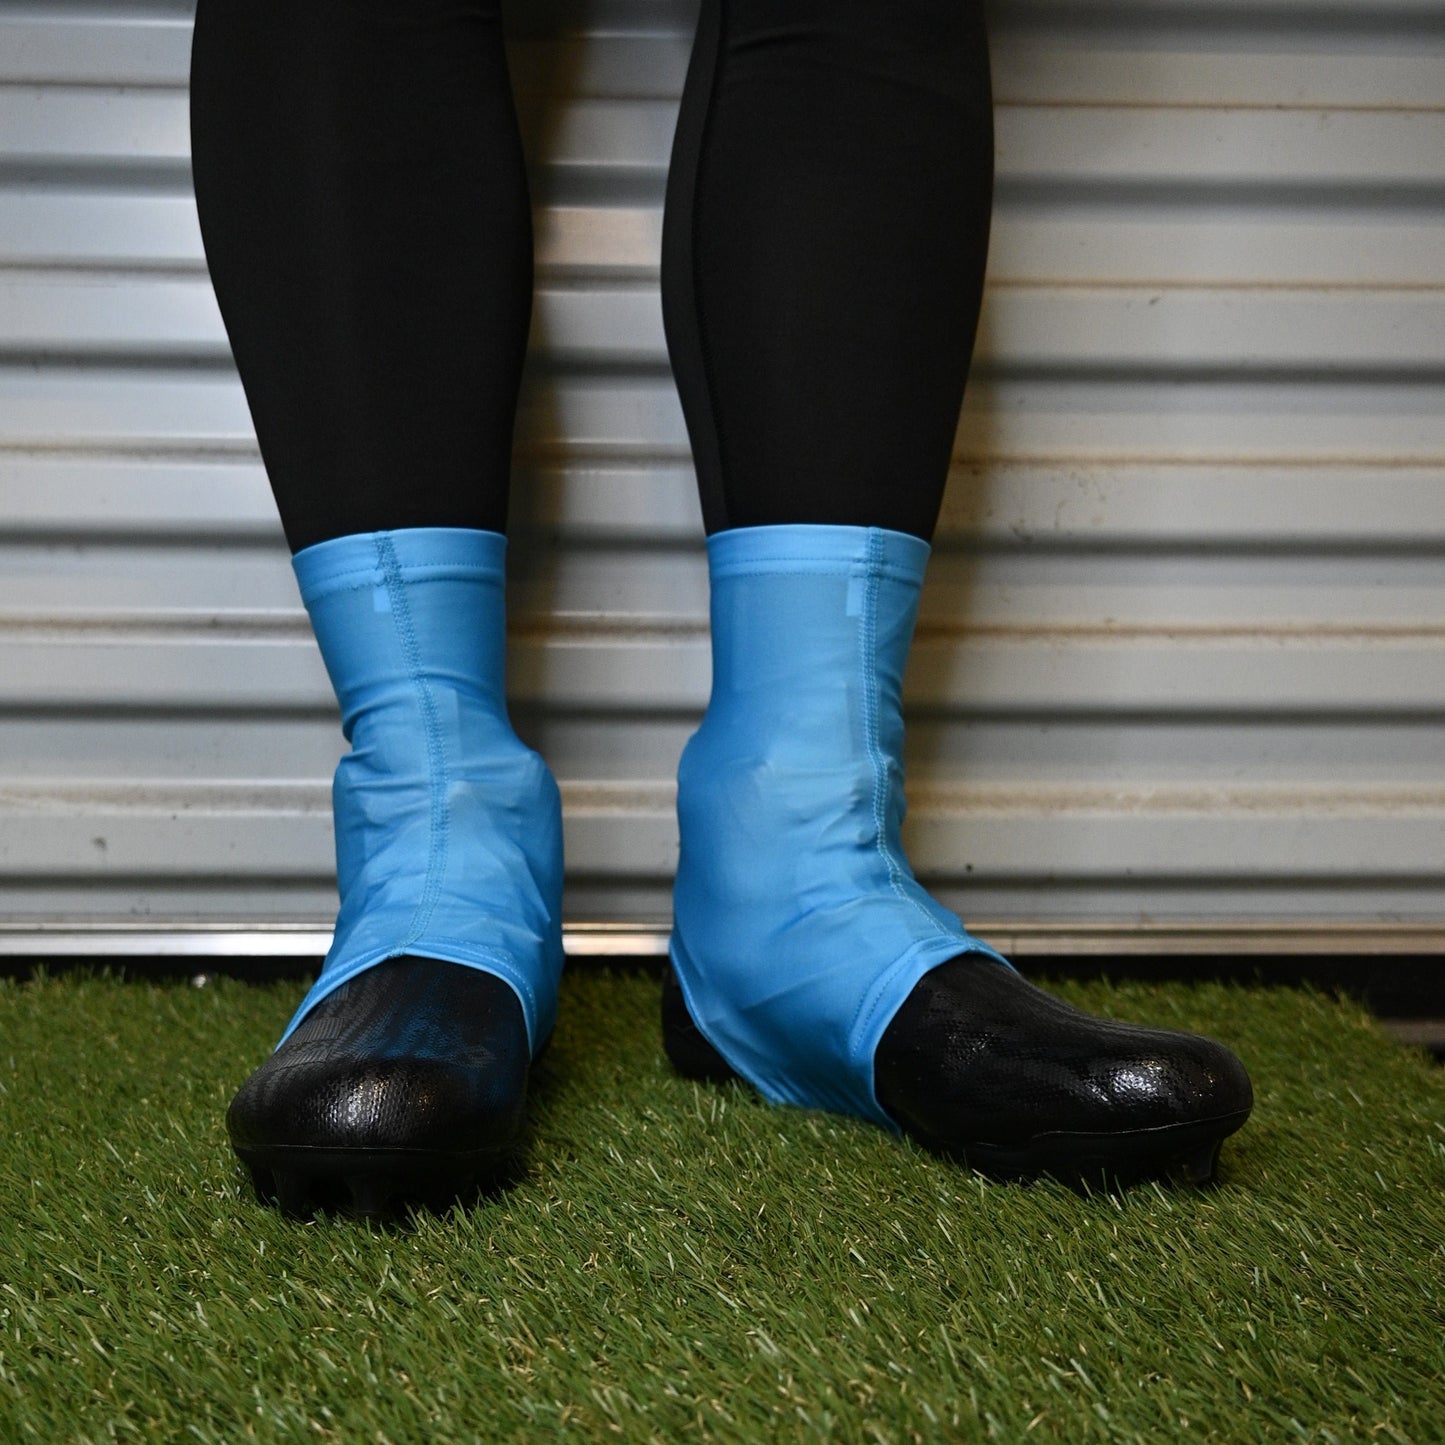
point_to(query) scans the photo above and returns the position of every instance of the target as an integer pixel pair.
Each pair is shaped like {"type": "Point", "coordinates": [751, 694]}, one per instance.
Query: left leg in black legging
{"type": "Point", "coordinates": [823, 257]}
{"type": "Point", "coordinates": [826, 231]}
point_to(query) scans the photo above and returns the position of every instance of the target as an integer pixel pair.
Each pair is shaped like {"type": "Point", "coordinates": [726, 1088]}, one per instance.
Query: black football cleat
{"type": "Point", "coordinates": [985, 1069]}
{"type": "Point", "coordinates": [406, 1085]}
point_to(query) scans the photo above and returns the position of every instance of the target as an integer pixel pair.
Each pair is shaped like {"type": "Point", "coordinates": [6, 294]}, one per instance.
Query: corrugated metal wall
{"type": "Point", "coordinates": [1182, 658]}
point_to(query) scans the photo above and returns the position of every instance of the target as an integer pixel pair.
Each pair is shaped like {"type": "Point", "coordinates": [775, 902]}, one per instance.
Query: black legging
{"type": "Point", "coordinates": [363, 202]}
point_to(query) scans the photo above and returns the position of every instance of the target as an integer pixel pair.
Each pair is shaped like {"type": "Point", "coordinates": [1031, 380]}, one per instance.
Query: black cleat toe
{"type": "Point", "coordinates": [409, 1080]}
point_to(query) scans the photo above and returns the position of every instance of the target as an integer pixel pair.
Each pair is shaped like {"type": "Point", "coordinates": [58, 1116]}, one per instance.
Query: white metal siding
{"type": "Point", "coordinates": [1182, 655]}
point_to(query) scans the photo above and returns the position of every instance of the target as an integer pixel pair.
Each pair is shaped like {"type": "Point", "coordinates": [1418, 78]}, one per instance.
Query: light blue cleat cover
{"type": "Point", "coordinates": [448, 828]}
{"type": "Point", "coordinates": [799, 928]}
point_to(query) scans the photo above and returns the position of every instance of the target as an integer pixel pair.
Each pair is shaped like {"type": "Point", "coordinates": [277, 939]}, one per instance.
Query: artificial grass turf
{"type": "Point", "coordinates": [681, 1260]}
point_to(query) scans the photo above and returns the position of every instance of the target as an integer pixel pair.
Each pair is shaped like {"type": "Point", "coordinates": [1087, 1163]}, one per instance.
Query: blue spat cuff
{"type": "Point", "coordinates": [799, 928]}
{"type": "Point", "coordinates": [448, 828]}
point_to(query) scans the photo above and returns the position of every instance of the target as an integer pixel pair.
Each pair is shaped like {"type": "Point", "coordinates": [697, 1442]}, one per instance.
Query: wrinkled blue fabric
{"type": "Point", "coordinates": [448, 828]}
{"type": "Point", "coordinates": [799, 929]}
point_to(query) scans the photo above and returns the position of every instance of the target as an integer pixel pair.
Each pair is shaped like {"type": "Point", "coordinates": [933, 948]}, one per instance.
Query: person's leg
{"type": "Point", "coordinates": [823, 262]}
{"type": "Point", "coordinates": [362, 198]}
{"type": "Point", "coordinates": [360, 186]}
{"type": "Point", "coordinates": [823, 258]}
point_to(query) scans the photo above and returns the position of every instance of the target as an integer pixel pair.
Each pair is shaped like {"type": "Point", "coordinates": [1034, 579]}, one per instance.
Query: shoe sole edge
{"type": "Point", "coordinates": [302, 1179]}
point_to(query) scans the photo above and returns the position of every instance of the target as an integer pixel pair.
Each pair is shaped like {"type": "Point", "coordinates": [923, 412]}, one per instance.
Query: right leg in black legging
{"type": "Point", "coordinates": [362, 198]}
{"type": "Point", "coordinates": [364, 209]}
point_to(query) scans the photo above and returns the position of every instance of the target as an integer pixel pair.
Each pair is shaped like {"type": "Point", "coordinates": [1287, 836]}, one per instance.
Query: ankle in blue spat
{"type": "Point", "coordinates": [448, 828]}
{"type": "Point", "coordinates": [799, 928]}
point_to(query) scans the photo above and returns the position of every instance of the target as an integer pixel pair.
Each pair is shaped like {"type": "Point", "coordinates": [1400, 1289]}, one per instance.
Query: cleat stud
{"type": "Point", "coordinates": [441, 1197]}
{"type": "Point", "coordinates": [1199, 1165]}
{"type": "Point", "coordinates": [293, 1194]}
{"type": "Point", "coordinates": [369, 1195]}
{"type": "Point", "coordinates": [263, 1183]}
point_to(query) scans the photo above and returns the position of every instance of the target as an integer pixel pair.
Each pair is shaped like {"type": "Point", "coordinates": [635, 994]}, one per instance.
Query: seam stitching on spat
{"type": "Point", "coordinates": [406, 570]}
{"type": "Point", "coordinates": [358, 579]}
{"type": "Point", "coordinates": [431, 728]}
{"type": "Point", "coordinates": [809, 567]}
{"type": "Point", "coordinates": [868, 665]}
{"type": "Point", "coordinates": [868, 634]}
{"type": "Point", "coordinates": [897, 869]}
{"type": "Point", "coordinates": [875, 746]}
